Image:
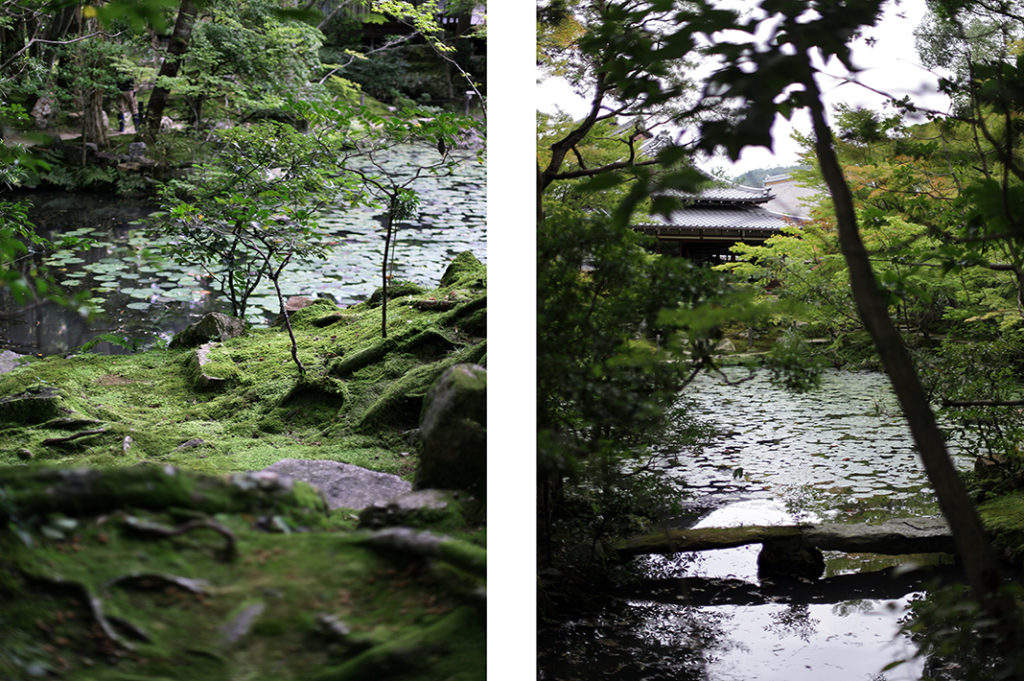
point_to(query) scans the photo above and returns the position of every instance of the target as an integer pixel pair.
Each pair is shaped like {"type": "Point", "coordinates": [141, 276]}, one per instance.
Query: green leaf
{"type": "Point", "coordinates": [602, 182]}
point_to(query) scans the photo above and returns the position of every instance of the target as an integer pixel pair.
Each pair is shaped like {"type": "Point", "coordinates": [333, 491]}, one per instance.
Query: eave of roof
{"type": "Point", "coordinates": [736, 194]}
{"type": "Point", "coordinates": [707, 217]}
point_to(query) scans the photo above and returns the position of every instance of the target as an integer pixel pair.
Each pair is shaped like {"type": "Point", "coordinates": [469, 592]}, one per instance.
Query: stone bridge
{"type": "Point", "coordinates": [795, 550]}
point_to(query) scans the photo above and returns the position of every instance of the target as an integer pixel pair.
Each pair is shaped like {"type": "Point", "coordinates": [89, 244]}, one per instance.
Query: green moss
{"type": "Point", "coordinates": [389, 603]}
{"type": "Point", "coordinates": [464, 270]}
{"type": "Point", "coordinates": [1004, 520]}
{"type": "Point", "coordinates": [401, 402]}
{"type": "Point", "coordinates": [294, 557]}
{"type": "Point", "coordinates": [396, 289]}
{"type": "Point", "coordinates": [266, 413]}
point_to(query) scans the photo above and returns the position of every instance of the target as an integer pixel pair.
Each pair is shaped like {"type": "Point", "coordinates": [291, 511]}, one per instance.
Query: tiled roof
{"type": "Point", "coordinates": [792, 199]}
{"type": "Point", "coordinates": [731, 217]}
{"type": "Point", "coordinates": [732, 194]}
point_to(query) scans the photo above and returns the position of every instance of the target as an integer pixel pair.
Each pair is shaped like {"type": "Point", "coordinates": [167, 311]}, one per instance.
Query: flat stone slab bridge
{"type": "Point", "coordinates": [893, 537]}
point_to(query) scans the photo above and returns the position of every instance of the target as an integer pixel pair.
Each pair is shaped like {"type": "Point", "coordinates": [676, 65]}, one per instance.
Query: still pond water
{"type": "Point", "coordinates": [838, 454]}
{"type": "Point", "coordinates": [147, 298]}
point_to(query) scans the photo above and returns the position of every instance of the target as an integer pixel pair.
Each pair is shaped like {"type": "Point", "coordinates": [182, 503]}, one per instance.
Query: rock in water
{"type": "Point", "coordinates": [343, 485]}
{"type": "Point", "coordinates": [454, 431]}
{"type": "Point", "coordinates": [214, 326]}
{"type": "Point", "coordinates": [789, 558]}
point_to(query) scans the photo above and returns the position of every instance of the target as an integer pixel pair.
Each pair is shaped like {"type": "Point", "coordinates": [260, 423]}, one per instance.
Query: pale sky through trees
{"type": "Point", "coordinates": [890, 65]}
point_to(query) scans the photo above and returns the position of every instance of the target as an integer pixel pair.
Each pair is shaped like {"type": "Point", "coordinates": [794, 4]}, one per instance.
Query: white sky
{"type": "Point", "coordinates": [891, 65]}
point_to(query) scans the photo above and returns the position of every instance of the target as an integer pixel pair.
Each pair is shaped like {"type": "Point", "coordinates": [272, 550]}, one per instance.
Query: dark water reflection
{"type": "Point", "coordinates": [146, 298]}
{"type": "Point", "coordinates": [841, 454]}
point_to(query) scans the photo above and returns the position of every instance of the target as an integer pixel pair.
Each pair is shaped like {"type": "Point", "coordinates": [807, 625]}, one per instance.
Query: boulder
{"type": "Point", "coordinates": [214, 326]}
{"type": "Point", "coordinates": [9, 361]}
{"type": "Point", "coordinates": [342, 485]}
{"type": "Point", "coordinates": [422, 508]}
{"type": "Point", "coordinates": [453, 430]}
{"type": "Point", "coordinates": [789, 558]}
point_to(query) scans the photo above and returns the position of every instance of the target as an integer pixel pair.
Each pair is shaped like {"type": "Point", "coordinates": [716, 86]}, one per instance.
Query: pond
{"type": "Point", "coordinates": [146, 297]}
{"type": "Point", "coordinates": [839, 454]}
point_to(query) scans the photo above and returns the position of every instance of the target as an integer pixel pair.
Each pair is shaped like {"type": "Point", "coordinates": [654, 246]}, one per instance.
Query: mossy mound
{"type": "Point", "coordinates": [359, 395]}
{"type": "Point", "coordinates": [396, 289]}
{"type": "Point", "coordinates": [465, 269]}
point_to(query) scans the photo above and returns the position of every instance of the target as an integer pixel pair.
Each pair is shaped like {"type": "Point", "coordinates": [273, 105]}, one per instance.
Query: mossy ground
{"type": "Point", "coordinates": [293, 578]}
{"type": "Point", "coordinates": [410, 618]}
{"type": "Point", "coordinates": [266, 413]}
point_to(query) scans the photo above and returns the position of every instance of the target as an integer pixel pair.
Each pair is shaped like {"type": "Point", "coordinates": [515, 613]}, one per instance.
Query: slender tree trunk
{"type": "Point", "coordinates": [384, 271]}
{"type": "Point", "coordinates": [979, 559]}
{"type": "Point", "coordinates": [169, 69]}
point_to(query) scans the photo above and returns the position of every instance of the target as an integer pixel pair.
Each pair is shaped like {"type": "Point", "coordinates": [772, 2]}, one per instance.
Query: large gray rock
{"type": "Point", "coordinates": [342, 485]}
{"type": "Point", "coordinates": [214, 326]}
{"type": "Point", "coordinates": [454, 431]}
{"type": "Point", "coordinates": [9, 361]}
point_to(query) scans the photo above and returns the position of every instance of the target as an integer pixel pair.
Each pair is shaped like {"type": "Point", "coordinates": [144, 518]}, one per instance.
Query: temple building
{"type": "Point", "coordinates": [712, 220]}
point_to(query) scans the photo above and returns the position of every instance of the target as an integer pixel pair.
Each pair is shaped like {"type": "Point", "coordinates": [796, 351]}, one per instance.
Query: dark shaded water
{"type": "Point", "coordinates": [841, 454]}
{"type": "Point", "coordinates": [146, 298]}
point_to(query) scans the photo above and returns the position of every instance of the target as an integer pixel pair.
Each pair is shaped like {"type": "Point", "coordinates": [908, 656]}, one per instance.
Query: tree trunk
{"type": "Point", "coordinates": [384, 271]}
{"type": "Point", "coordinates": [979, 559]}
{"type": "Point", "coordinates": [92, 118]}
{"type": "Point", "coordinates": [169, 69]}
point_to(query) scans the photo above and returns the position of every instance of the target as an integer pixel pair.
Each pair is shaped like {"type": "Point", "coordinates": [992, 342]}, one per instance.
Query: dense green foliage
{"type": "Point", "coordinates": [248, 90]}
{"type": "Point", "coordinates": [917, 247]}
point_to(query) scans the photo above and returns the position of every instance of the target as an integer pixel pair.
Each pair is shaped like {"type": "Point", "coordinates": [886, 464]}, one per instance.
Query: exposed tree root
{"type": "Point", "coordinates": [143, 580]}
{"type": "Point", "coordinates": [461, 554]}
{"type": "Point", "coordinates": [86, 491]}
{"type": "Point", "coordinates": [69, 423]}
{"type": "Point", "coordinates": [95, 608]}
{"type": "Point", "coordinates": [70, 438]}
{"type": "Point", "coordinates": [393, 658]}
{"type": "Point", "coordinates": [146, 527]}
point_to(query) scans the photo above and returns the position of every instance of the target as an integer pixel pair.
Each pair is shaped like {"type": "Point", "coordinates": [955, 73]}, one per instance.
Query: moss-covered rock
{"type": "Point", "coordinates": [396, 289]}
{"type": "Point", "coordinates": [37, 404]}
{"type": "Point", "coordinates": [214, 326]}
{"type": "Point", "coordinates": [436, 509]}
{"type": "Point", "coordinates": [401, 403]}
{"type": "Point", "coordinates": [206, 371]}
{"type": "Point", "coordinates": [464, 269]}
{"type": "Point", "coordinates": [33, 491]}
{"type": "Point", "coordinates": [454, 431]}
